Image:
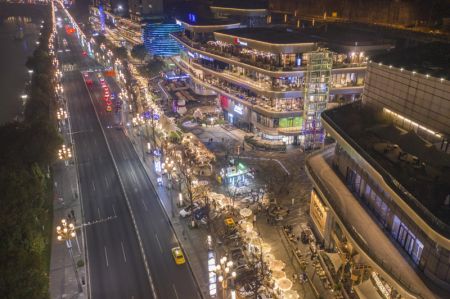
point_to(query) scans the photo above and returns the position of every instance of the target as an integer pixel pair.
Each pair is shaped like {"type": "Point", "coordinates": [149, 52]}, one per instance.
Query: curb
{"type": "Point", "coordinates": [167, 217]}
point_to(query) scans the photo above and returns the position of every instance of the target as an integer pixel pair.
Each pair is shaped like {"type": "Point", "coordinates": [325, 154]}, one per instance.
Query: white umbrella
{"type": "Point", "coordinates": [257, 241]}
{"type": "Point", "coordinates": [276, 275]}
{"type": "Point", "coordinates": [276, 265]}
{"type": "Point", "coordinates": [251, 234]}
{"type": "Point", "coordinates": [245, 212]}
{"type": "Point", "coordinates": [284, 284]}
{"type": "Point", "coordinates": [291, 294]}
{"type": "Point", "coordinates": [265, 248]}
{"type": "Point", "coordinates": [268, 257]}
{"type": "Point", "coordinates": [247, 226]}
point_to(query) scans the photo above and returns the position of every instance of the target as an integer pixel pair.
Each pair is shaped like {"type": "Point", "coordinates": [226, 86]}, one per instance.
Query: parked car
{"type": "Point", "coordinates": [187, 211]}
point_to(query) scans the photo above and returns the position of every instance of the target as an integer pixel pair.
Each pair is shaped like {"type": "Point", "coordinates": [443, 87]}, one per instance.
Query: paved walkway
{"type": "Point", "coordinates": [63, 282]}
{"type": "Point", "coordinates": [366, 227]}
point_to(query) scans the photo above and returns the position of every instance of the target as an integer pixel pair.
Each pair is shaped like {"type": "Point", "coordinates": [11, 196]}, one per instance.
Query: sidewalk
{"type": "Point", "coordinates": [193, 241]}
{"type": "Point", "coordinates": [63, 282]}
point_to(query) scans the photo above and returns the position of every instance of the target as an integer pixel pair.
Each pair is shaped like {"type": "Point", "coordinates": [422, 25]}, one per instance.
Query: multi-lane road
{"type": "Point", "coordinates": [118, 198]}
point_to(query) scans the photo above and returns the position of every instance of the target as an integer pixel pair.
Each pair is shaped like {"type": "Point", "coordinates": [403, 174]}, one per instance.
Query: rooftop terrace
{"type": "Point", "coordinates": [271, 35]}
{"type": "Point", "coordinates": [410, 165]}
{"type": "Point", "coordinates": [432, 58]}
{"type": "Point", "coordinates": [344, 34]}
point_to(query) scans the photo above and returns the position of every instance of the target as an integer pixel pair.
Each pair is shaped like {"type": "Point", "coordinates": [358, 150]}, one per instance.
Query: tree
{"type": "Point", "coordinates": [253, 278]}
{"type": "Point", "coordinates": [100, 39]}
{"type": "Point", "coordinates": [121, 52]}
{"type": "Point", "coordinates": [276, 180]}
{"type": "Point", "coordinates": [139, 52]}
{"type": "Point", "coordinates": [155, 66]}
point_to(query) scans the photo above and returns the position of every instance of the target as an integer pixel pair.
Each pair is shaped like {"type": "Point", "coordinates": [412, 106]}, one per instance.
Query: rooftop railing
{"type": "Point", "coordinates": [436, 223]}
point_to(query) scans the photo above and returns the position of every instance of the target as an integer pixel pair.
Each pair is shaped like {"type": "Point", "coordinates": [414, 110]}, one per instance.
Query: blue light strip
{"type": "Point", "coordinates": [157, 39]}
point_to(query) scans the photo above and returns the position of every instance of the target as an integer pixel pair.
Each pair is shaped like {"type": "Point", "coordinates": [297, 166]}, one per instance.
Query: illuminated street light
{"type": "Point", "coordinates": [65, 153]}
{"type": "Point", "coordinates": [61, 114]}
{"type": "Point", "coordinates": [169, 168]}
{"type": "Point", "coordinates": [226, 275]}
{"type": "Point", "coordinates": [66, 232]}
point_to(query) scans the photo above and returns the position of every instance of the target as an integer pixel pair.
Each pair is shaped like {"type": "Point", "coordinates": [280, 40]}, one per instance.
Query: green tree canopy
{"type": "Point", "coordinates": [139, 52]}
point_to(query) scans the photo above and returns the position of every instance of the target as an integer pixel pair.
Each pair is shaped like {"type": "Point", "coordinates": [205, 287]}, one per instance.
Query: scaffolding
{"type": "Point", "coordinates": [317, 89]}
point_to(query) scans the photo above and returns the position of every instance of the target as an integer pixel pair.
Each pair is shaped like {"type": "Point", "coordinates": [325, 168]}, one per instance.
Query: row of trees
{"type": "Point", "coordinates": [28, 148]}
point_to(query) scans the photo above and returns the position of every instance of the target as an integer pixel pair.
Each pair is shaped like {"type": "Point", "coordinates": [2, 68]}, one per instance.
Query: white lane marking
{"type": "Point", "coordinates": [93, 185]}
{"type": "Point", "coordinates": [159, 244]}
{"type": "Point", "coordinates": [143, 203]}
{"type": "Point", "coordinates": [106, 257]}
{"type": "Point", "coordinates": [98, 209]}
{"type": "Point", "coordinates": [123, 251]}
{"type": "Point", "coordinates": [114, 210]}
{"type": "Point", "coordinates": [175, 290]}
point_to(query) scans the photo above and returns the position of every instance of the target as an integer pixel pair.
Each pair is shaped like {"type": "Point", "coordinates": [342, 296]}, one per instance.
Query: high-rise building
{"type": "Point", "coordinates": [142, 9]}
{"type": "Point", "coordinates": [380, 202]}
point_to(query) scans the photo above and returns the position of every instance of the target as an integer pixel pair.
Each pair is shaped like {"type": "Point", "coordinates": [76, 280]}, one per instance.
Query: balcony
{"type": "Point", "coordinates": [263, 66]}
{"type": "Point", "coordinates": [260, 105]}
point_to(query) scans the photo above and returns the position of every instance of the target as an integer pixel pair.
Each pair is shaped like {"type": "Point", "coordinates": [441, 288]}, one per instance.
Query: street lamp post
{"type": "Point", "coordinates": [61, 115]}
{"type": "Point", "coordinates": [169, 167]}
{"type": "Point", "coordinates": [66, 232]}
{"type": "Point", "coordinates": [225, 273]}
{"type": "Point", "coordinates": [65, 153]}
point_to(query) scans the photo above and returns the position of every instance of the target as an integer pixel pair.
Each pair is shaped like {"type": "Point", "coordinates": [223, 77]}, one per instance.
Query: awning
{"type": "Point", "coordinates": [335, 260]}
{"type": "Point", "coordinates": [367, 290]}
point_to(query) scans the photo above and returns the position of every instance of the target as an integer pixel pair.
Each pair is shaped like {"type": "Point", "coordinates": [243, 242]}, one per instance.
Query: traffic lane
{"type": "Point", "coordinates": [157, 234]}
{"type": "Point", "coordinates": [103, 241]}
{"type": "Point", "coordinates": [115, 280]}
{"type": "Point", "coordinates": [186, 279]}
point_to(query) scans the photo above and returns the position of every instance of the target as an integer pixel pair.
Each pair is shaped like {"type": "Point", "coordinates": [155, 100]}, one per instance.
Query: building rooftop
{"type": "Point", "coordinates": [431, 58]}
{"type": "Point", "coordinates": [410, 165]}
{"type": "Point", "coordinates": [239, 4]}
{"type": "Point", "coordinates": [346, 35]}
{"type": "Point", "coordinates": [204, 21]}
{"type": "Point", "coordinates": [271, 35]}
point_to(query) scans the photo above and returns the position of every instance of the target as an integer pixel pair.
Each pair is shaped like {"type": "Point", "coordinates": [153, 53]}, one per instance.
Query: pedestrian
{"type": "Point", "coordinates": [293, 200]}
{"type": "Point", "coordinates": [254, 219]}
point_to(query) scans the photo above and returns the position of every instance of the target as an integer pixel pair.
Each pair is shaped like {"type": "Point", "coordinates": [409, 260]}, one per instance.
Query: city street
{"type": "Point", "coordinates": [116, 268]}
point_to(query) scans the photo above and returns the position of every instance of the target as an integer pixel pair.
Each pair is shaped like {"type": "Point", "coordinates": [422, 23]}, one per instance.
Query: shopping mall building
{"type": "Point", "coordinates": [381, 197]}
{"type": "Point", "coordinates": [259, 73]}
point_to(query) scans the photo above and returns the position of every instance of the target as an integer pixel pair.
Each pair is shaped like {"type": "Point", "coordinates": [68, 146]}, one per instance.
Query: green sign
{"type": "Point", "coordinates": [291, 122]}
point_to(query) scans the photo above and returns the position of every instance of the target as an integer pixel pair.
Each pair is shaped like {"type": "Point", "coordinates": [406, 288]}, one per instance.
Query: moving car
{"type": "Point", "coordinates": [178, 255]}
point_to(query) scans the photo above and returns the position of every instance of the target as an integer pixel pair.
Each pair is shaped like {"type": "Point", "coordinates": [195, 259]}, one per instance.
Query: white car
{"type": "Point", "coordinates": [187, 211]}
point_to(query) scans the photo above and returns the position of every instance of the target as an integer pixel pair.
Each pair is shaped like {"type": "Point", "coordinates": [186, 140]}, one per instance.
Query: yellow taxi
{"type": "Point", "coordinates": [229, 222]}
{"type": "Point", "coordinates": [108, 108]}
{"type": "Point", "coordinates": [178, 256]}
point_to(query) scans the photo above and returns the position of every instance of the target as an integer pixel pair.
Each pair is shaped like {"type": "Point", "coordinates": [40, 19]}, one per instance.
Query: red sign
{"type": "Point", "coordinates": [224, 102]}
